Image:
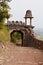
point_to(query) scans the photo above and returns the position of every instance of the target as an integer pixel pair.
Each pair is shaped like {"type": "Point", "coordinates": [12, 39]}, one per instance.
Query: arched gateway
{"type": "Point", "coordinates": [18, 31]}
{"type": "Point", "coordinates": [24, 29]}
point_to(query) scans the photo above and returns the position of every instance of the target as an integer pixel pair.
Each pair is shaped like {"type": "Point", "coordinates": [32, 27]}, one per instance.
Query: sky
{"type": "Point", "coordinates": [19, 8]}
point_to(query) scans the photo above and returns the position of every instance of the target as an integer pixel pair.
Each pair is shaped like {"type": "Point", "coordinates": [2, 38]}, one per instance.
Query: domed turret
{"type": "Point", "coordinates": [28, 15]}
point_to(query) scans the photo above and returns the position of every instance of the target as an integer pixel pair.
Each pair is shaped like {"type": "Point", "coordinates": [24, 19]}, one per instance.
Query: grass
{"type": "Point", "coordinates": [4, 34]}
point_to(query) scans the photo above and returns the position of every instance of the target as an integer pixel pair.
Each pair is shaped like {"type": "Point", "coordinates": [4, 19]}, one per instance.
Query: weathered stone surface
{"type": "Point", "coordinates": [27, 32]}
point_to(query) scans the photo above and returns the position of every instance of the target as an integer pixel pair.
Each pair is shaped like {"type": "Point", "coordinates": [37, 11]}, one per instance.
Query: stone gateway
{"type": "Point", "coordinates": [28, 36]}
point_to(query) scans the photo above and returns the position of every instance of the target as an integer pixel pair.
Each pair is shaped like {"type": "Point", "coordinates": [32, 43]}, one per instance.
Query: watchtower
{"type": "Point", "coordinates": [28, 15]}
{"type": "Point", "coordinates": [30, 27]}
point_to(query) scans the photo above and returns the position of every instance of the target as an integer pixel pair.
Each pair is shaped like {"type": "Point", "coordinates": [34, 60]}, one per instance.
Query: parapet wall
{"type": "Point", "coordinates": [33, 42]}
{"type": "Point", "coordinates": [37, 43]}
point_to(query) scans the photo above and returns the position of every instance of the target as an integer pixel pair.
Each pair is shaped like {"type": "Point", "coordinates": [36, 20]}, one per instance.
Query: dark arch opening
{"type": "Point", "coordinates": [18, 31]}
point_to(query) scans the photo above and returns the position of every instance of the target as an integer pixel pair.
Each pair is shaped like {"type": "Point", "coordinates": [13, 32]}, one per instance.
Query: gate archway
{"type": "Point", "coordinates": [20, 34]}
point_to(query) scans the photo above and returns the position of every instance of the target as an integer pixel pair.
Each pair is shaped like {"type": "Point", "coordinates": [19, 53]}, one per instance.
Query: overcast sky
{"type": "Point", "coordinates": [19, 7]}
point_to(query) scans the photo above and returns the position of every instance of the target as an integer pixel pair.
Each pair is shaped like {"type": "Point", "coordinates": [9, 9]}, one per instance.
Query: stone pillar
{"type": "Point", "coordinates": [25, 21]}
{"type": "Point", "coordinates": [30, 21]}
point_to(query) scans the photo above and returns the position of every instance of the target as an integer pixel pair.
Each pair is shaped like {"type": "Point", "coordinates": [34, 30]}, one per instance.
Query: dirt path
{"type": "Point", "coordinates": [14, 55]}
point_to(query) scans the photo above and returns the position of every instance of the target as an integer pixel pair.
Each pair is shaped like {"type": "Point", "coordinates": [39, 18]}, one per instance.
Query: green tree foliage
{"type": "Point", "coordinates": [16, 36]}
{"type": "Point", "coordinates": [4, 10]}
{"type": "Point", "coordinates": [5, 0]}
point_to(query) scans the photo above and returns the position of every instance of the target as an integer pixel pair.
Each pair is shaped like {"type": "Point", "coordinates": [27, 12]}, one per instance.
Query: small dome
{"type": "Point", "coordinates": [28, 13]}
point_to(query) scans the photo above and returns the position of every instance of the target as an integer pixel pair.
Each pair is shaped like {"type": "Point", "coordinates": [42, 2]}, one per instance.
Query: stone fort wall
{"type": "Point", "coordinates": [34, 42]}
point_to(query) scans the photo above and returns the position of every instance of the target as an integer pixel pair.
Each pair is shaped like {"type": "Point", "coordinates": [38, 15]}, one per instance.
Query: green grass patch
{"type": "Point", "coordinates": [4, 34]}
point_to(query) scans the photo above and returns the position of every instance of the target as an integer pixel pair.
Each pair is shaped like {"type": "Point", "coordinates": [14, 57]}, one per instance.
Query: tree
{"type": "Point", "coordinates": [4, 10]}
{"type": "Point", "coordinates": [5, 0]}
